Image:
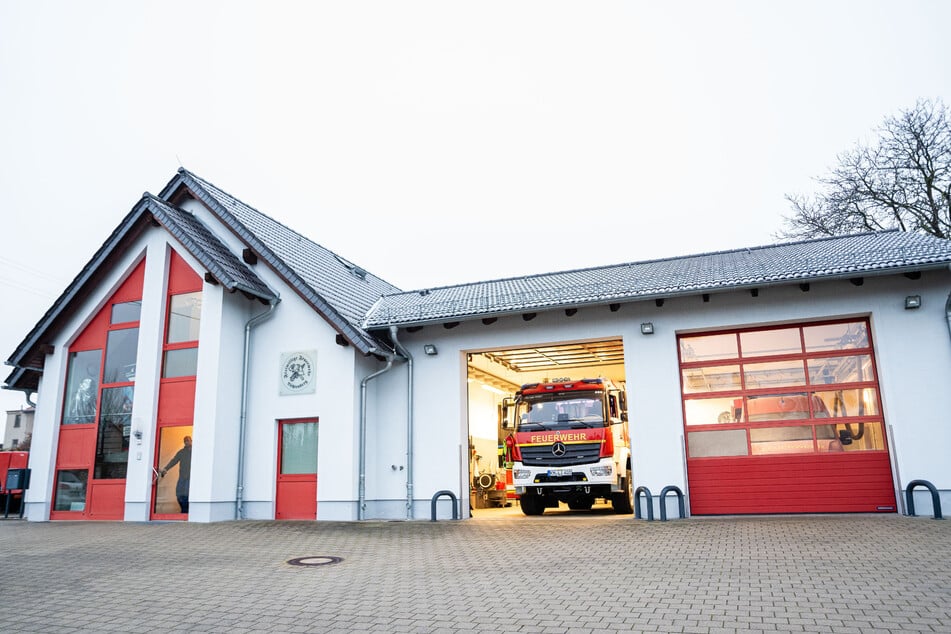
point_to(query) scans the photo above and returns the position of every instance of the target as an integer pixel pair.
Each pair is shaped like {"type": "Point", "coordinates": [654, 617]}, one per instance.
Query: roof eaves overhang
{"type": "Point", "coordinates": [264, 293]}
{"type": "Point", "coordinates": [843, 273]}
{"type": "Point", "coordinates": [360, 340]}
{"type": "Point", "coordinates": [26, 354]}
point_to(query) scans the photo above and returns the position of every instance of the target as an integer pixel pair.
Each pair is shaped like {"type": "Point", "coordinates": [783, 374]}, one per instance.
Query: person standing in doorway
{"type": "Point", "coordinates": [184, 461]}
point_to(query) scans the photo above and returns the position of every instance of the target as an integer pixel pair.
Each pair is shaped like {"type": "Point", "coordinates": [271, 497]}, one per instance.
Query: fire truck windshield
{"type": "Point", "coordinates": [568, 410]}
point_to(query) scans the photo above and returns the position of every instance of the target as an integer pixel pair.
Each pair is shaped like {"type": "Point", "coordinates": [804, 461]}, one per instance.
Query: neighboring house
{"type": "Point", "coordinates": [210, 363]}
{"type": "Point", "coordinates": [18, 427]}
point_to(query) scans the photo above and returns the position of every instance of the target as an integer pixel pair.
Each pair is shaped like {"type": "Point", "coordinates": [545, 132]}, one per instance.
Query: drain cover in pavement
{"type": "Point", "coordinates": [315, 560]}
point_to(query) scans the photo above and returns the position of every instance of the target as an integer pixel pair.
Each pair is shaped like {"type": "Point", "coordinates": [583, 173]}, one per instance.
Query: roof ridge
{"type": "Point", "coordinates": [278, 222]}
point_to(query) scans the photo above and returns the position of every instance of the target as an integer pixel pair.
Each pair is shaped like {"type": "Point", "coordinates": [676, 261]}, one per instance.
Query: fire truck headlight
{"type": "Point", "coordinates": [521, 474]}
{"type": "Point", "coordinates": [602, 471]}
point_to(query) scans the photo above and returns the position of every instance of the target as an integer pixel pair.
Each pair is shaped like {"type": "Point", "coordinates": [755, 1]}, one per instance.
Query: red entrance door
{"type": "Point", "coordinates": [296, 470]}
{"type": "Point", "coordinates": [171, 476]}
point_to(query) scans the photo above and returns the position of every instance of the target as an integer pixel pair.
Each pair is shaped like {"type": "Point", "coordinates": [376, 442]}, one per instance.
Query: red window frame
{"type": "Point", "coordinates": [744, 394]}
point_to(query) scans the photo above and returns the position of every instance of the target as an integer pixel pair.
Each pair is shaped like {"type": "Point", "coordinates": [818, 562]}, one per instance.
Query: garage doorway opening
{"type": "Point", "coordinates": [494, 377]}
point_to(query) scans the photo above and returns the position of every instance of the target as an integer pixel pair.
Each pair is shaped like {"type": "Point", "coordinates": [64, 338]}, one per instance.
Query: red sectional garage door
{"type": "Point", "coordinates": [784, 420]}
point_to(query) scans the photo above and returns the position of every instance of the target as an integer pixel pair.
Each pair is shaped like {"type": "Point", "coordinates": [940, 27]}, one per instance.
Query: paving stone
{"type": "Point", "coordinates": [577, 574]}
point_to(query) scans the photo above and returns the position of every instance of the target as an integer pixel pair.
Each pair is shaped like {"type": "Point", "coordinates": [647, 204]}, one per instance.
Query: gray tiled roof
{"type": "Point", "coordinates": [230, 272]}
{"type": "Point", "coordinates": [795, 262]}
{"type": "Point", "coordinates": [341, 291]}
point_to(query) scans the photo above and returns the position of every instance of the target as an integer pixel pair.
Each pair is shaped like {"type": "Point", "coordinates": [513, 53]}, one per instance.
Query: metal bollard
{"type": "Point", "coordinates": [455, 503]}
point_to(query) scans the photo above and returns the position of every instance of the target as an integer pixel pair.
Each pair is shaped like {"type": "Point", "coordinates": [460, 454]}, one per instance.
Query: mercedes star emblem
{"type": "Point", "coordinates": [558, 449]}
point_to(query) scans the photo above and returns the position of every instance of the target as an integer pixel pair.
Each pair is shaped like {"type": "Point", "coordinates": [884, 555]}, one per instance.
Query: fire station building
{"type": "Point", "coordinates": [210, 363]}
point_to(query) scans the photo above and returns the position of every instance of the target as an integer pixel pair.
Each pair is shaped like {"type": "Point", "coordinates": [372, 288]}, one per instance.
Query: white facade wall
{"type": "Point", "coordinates": [913, 353]}
{"type": "Point", "coordinates": [293, 326]}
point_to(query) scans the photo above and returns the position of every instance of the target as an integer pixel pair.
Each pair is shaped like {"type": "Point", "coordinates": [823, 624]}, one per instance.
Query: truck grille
{"type": "Point", "coordinates": [541, 456]}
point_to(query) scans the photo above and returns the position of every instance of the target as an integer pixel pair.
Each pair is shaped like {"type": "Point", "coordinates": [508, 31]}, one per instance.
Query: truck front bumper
{"type": "Point", "coordinates": [595, 477]}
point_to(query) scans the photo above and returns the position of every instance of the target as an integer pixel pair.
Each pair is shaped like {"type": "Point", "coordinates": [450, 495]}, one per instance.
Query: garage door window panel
{"type": "Point", "coordinates": [713, 411]}
{"type": "Point", "coordinates": [763, 343]}
{"type": "Point", "coordinates": [774, 374]}
{"type": "Point", "coordinates": [777, 407]}
{"type": "Point", "coordinates": [722, 378]}
{"type": "Point", "coordinates": [841, 369]}
{"type": "Point", "coordinates": [775, 440]}
{"type": "Point", "coordinates": [708, 347]}
{"type": "Point", "coordinates": [710, 444]}
{"type": "Point", "coordinates": [855, 437]}
{"type": "Point", "coordinates": [840, 336]}
{"type": "Point", "coordinates": [847, 403]}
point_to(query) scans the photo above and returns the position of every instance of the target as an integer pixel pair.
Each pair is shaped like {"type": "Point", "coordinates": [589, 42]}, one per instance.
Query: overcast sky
{"type": "Point", "coordinates": [442, 142]}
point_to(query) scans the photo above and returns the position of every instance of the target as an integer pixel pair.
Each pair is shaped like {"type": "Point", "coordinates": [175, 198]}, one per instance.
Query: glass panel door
{"type": "Point", "coordinates": [173, 466]}
{"type": "Point", "coordinates": [297, 471]}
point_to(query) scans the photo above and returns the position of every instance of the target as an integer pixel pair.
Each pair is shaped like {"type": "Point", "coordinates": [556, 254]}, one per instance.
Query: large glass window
{"type": "Point", "coordinates": [180, 362]}
{"type": "Point", "coordinates": [82, 387]}
{"type": "Point", "coordinates": [70, 490]}
{"type": "Point", "coordinates": [121, 347]}
{"type": "Point", "coordinates": [115, 425]}
{"type": "Point", "coordinates": [181, 339]}
{"type": "Point", "coordinates": [781, 404]}
{"type": "Point", "coordinates": [184, 317]}
{"type": "Point", "coordinates": [125, 312]}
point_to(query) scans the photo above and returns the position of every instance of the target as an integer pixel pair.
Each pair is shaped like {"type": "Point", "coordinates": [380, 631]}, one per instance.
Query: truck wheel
{"type": "Point", "coordinates": [532, 504]}
{"type": "Point", "coordinates": [623, 501]}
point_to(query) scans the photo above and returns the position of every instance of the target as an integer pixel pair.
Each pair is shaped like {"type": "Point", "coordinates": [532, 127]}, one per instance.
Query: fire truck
{"type": "Point", "coordinates": [569, 442]}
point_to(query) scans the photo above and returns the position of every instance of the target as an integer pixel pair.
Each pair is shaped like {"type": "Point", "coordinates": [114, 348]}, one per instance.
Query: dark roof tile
{"type": "Point", "coordinates": [869, 253]}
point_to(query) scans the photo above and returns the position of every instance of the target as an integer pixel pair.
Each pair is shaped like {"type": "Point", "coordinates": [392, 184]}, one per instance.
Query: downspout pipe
{"type": "Point", "coordinates": [26, 393]}
{"type": "Point", "coordinates": [362, 482]}
{"type": "Point", "coordinates": [409, 420]}
{"type": "Point", "coordinates": [245, 389]}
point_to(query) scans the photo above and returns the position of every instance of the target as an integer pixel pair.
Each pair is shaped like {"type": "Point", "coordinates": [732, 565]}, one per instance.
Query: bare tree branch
{"type": "Point", "coordinates": [902, 182]}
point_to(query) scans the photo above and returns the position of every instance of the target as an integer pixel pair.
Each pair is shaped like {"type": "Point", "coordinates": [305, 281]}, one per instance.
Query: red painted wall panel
{"type": "Point", "coordinates": [107, 500]}
{"type": "Point", "coordinates": [177, 401]}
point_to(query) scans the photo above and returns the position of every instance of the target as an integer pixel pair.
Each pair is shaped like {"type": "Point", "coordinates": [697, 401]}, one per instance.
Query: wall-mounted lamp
{"type": "Point", "coordinates": [647, 328]}
{"type": "Point", "coordinates": [430, 350]}
{"type": "Point", "coordinates": [912, 302]}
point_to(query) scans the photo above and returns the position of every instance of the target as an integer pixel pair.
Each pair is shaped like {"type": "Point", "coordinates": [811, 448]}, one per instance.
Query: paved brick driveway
{"type": "Point", "coordinates": [559, 573]}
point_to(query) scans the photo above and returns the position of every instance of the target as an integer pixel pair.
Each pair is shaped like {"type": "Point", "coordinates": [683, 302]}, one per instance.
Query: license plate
{"type": "Point", "coordinates": [559, 473]}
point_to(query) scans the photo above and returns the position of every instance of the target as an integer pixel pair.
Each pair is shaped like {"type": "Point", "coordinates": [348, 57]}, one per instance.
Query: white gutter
{"type": "Point", "coordinates": [243, 423]}
{"type": "Point", "coordinates": [409, 421]}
